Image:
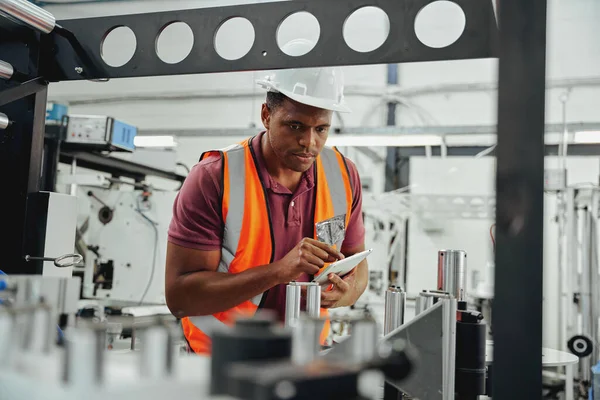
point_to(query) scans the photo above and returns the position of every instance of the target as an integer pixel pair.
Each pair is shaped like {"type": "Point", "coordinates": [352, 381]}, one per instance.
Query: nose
{"type": "Point", "coordinates": [307, 139]}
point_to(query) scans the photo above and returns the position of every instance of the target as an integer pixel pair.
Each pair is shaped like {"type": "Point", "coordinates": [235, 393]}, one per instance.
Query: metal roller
{"type": "Point", "coordinates": [29, 14]}
{"type": "Point", "coordinates": [6, 70]}
{"type": "Point", "coordinates": [4, 121]}
{"type": "Point", "coordinates": [452, 273]}
{"type": "Point", "coordinates": [395, 304]}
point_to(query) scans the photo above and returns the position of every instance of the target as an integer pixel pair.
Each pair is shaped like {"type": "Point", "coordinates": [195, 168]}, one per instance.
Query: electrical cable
{"type": "Point", "coordinates": [153, 268]}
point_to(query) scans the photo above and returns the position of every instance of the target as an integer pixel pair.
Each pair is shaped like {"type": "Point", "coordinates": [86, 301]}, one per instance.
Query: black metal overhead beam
{"type": "Point", "coordinates": [402, 45]}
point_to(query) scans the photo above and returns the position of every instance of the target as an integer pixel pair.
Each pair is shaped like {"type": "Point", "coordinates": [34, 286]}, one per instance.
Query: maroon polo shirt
{"type": "Point", "coordinates": [197, 224]}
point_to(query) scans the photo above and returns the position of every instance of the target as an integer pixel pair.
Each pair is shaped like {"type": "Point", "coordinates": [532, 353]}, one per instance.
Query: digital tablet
{"type": "Point", "coordinates": [341, 267]}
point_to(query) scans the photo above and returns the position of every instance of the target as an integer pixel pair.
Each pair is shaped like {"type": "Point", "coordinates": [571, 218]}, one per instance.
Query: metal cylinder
{"type": "Point", "coordinates": [313, 300]}
{"type": "Point", "coordinates": [157, 352]}
{"type": "Point", "coordinates": [29, 14]}
{"type": "Point", "coordinates": [305, 340]}
{"type": "Point", "coordinates": [363, 341]}
{"type": "Point", "coordinates": [7, 330]}
{"type": "Point", "coordinates": [423, 302]}
{"type": "Point", "coordinates": [84, 362]}
{"type": "Point", "coordinates": [292, 304]}
{"type": "Point", "coordinates": [395, 305]}
{"type": "Point", "coordinates": [6, 70]}
{"type": "Point", "coordinates": [4, 121]}
{"type": "Point", "coordinates": [452, 273]}
{"type": "Point", "coordinates": [42, 330]}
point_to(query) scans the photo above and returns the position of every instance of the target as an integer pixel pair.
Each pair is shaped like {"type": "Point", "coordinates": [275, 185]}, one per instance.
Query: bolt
{"type": "Point", "coordinates": [79, 70]}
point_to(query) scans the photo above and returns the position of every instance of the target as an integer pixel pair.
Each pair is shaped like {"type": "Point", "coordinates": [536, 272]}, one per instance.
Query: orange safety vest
{"type": "Point", "coordinates": [245, 213]}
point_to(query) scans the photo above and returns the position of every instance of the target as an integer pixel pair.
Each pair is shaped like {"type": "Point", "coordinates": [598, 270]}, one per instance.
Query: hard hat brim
{"type": "Point", "coordinates": [308, 100]}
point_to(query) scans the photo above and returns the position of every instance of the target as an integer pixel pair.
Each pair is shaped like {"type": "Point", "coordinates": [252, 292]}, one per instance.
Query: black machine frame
{"type": "Point", "coordinates": [71, 51]}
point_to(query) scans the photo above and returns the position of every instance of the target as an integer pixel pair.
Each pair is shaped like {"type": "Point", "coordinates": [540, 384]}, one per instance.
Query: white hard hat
{"type": "Point", "coordinates": [318, 87]}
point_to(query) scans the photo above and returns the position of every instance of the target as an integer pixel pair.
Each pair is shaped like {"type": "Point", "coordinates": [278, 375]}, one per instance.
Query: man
{"type": "Point", "coordinates": [244, 221]}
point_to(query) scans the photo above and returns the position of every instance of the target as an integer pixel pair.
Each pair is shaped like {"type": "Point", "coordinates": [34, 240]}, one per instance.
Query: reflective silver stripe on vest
{"type": "Point", "coordinates": [207, 324]}
{"type": "Point", "coordinates": [335, 181]}
{"type": "Point", "coordinates": [237, 190]}
{"type": "Point", "coordinates": [235, 216]}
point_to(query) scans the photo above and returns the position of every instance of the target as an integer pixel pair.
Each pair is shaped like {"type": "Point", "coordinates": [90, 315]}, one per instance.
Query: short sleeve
{"type": "Point", "coordinates": [355, 231]}
{"type": "Point", "coordinates": [197, 221]}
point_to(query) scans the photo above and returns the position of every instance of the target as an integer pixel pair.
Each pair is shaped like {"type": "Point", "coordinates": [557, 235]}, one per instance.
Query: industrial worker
{"type": "Point", "coordinates": [243, 222]}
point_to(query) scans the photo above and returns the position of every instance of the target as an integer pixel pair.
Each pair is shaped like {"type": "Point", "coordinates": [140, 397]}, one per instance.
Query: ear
{"type": "Point", "coordinates": [265, 116]}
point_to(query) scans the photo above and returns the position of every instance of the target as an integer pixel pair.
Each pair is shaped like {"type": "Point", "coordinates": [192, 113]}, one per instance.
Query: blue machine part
{"type": "Point", "coordinates": [55, 111]}
{"type": "Point", "coordinates": [122, 135]}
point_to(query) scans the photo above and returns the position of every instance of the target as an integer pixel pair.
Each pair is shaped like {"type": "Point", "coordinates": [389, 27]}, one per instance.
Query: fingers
{"type": "Point", "coordinates": [339, 282]}
{"type": "Point", "coordinates": [326, 248]}
{"type": "Point", "coordinates": [311, 258]}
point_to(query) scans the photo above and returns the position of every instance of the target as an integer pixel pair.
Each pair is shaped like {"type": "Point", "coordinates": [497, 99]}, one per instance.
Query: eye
{"type": "Point", "coordinates": [295, 127]}
{"type": "Point", "coordinates": [322, 129]}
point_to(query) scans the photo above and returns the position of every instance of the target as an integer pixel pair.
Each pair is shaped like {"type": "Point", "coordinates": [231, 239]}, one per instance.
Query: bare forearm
{"type": "Point", "coordinates": [207, 292]}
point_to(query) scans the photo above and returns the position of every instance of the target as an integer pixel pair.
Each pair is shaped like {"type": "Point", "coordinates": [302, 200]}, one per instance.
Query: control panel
{"type": "Point", "coordinates": [100, 132]}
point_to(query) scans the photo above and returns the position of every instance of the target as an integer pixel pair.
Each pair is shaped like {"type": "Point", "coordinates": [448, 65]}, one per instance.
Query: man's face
{"type": "Point", "coordinates": [296, 133]}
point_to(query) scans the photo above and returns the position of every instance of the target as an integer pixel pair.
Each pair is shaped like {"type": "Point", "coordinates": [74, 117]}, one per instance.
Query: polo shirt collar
{"type": "Point", "coordinates": [307, 181]}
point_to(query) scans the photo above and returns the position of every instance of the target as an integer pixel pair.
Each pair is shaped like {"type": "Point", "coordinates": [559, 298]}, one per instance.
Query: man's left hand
{"type": "Point", "coordinates": [340, 293]}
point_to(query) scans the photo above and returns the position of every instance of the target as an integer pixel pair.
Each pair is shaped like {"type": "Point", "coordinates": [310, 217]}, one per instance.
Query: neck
{"type": "Point", "coordinates": [275, 167]}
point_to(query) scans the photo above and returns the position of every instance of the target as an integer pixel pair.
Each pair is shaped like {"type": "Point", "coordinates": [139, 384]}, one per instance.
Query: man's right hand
{"type": "Point", "coordinates": [307, 257]}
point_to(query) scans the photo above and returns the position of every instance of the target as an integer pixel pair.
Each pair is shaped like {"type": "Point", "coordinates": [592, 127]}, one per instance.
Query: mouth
{"type": "Point", "coordinates": [304, 157]}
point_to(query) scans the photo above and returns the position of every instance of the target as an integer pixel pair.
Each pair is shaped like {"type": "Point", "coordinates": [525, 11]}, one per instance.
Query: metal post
{"type": "Point", "coordinates": [518, 283]}
{"type": "Point", "coordinates": [84, 361]}
{"type": "Point", "coordinates": [305, 340]}
{"type": "Point", "coordinates": [423, 302]}
{"type": "Point", "coordinates": [313, 300]}
{"type": "Point", "coordinates": [452, 273]}
{"type": "Point", "coordinates": [292, 304]}
{"type": "Point", "coordinates": [154, 357]}
{"type": "Point", "coordinates": [395, 304]}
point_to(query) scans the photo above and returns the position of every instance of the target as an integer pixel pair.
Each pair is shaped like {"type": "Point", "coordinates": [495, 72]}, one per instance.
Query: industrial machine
{"type": "Point", "coordinates": [254, 360]}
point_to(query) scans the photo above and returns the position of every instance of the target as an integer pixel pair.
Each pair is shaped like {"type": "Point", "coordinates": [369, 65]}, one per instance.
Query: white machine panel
{"type": "Point", "coordinates": [127, 245]}
{"type": "Point", "coordinates": [61, 225]}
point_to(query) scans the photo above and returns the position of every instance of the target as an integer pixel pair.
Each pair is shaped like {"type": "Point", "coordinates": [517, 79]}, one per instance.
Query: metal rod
{"type": "Point", "coordinates": [154, 357]}
{"type": "Point", "coordinates": [84, 361]}
{"type": "Point", "coordinates": [305, 343]}
{"type": "Point", "coordinates": [313, 300]}
{"type": "Point", "coordinates": [4, 121]}
{"type": "Point", "coordinates": [585, 300]}
{"type": "Point", "coordinates": [292, 304]}
{"type": "Point", "coordinates": [423, 302]}
{"type": "Point", "coordinates": [452, 273]}
{"type": "Point", "coordinates": [518, 284]}
{"type": "Point", "coordinates": [29, 14]}
{"type": "Point", "coordinates": [395, 305]}
{"type": "Point", "coordinates": [6, 70]}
